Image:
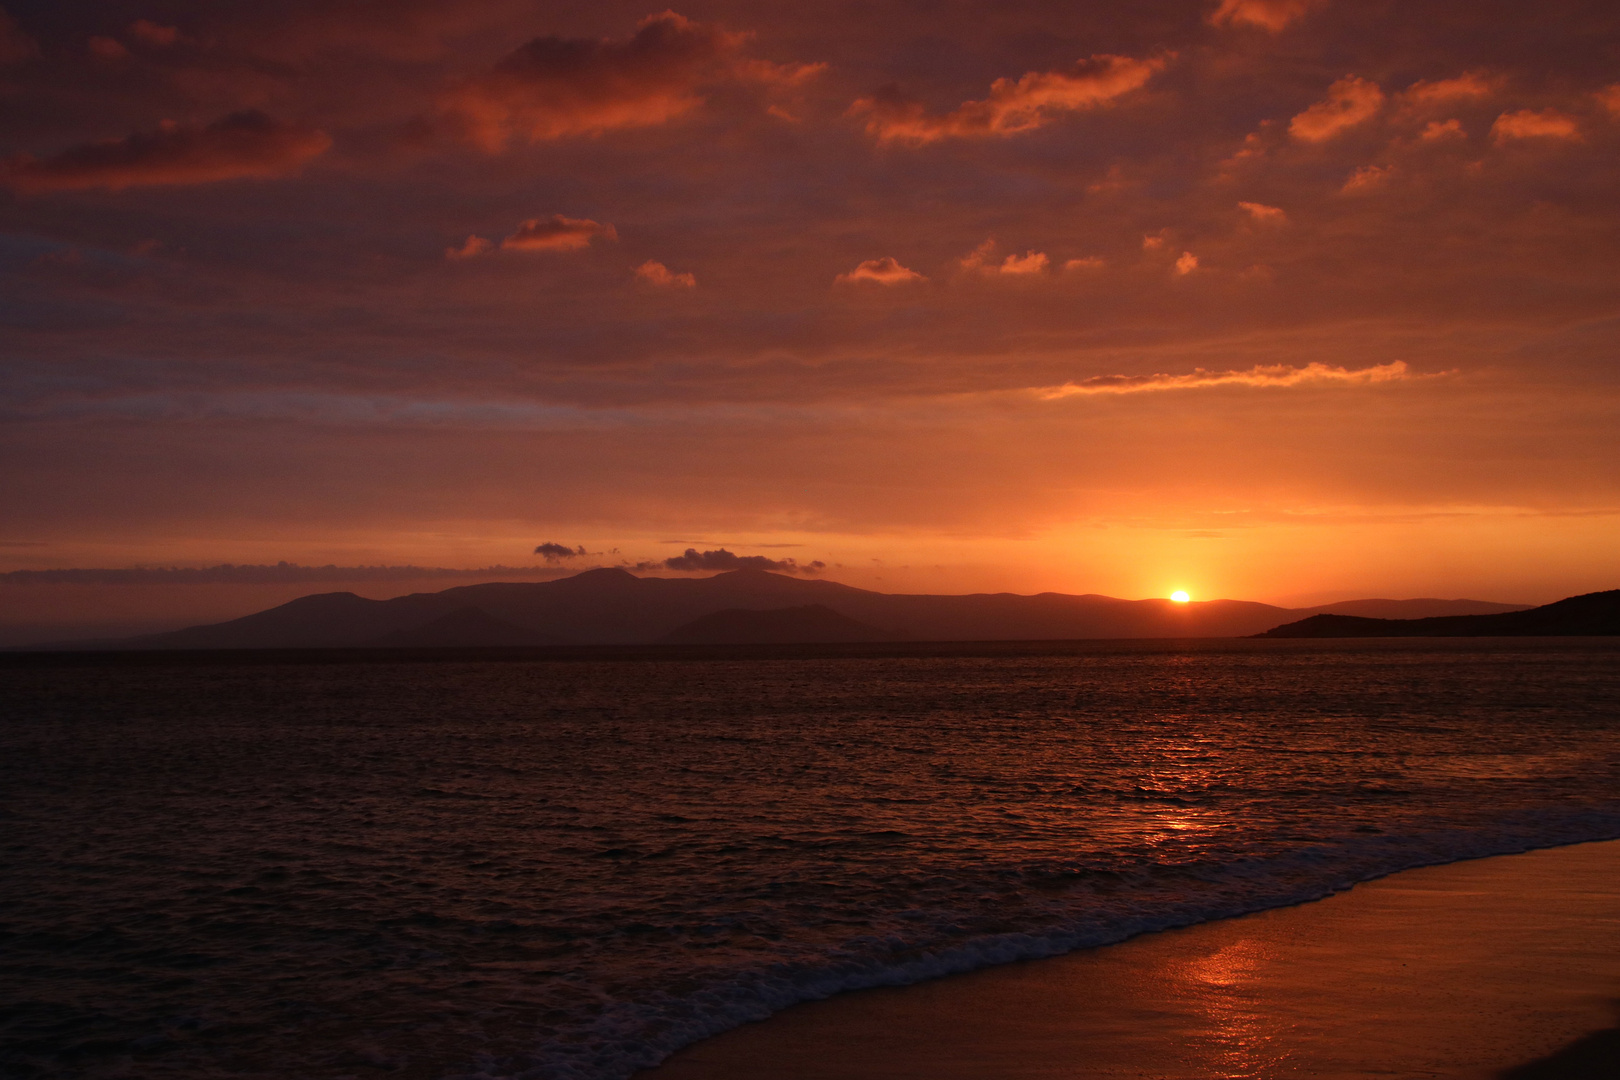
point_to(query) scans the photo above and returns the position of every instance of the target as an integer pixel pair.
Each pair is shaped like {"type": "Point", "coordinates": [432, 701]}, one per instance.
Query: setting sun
{"type": "Point", "coordinates": [1180, 597]}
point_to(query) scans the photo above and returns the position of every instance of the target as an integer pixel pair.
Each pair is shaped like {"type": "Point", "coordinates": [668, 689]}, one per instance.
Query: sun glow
{"type": "Point", "coordinates": [1180, 597]}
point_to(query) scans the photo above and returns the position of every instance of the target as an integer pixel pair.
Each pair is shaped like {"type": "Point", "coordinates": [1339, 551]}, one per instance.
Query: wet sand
{"type": "Point", "coordinates": [1501, 967]}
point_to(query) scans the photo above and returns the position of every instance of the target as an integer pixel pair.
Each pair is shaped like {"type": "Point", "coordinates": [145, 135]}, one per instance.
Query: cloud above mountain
{"type": "Point", "coordinates": [722, 560]}
{"type": "Point", "coordinates": [554, 552]}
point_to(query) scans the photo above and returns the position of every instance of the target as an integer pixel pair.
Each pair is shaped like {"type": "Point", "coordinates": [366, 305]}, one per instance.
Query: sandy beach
{"type": "Point", "coordinates": [1499, 967]}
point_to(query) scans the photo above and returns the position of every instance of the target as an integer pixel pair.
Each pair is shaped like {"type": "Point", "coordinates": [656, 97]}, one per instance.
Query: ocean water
{"type": "Point", "coordinates": [569, 869]}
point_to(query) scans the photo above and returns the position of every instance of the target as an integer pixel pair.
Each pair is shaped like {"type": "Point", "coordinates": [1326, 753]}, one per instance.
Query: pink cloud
{"type": "Point", "coordinates": [884, 271]}
{"type": "Point", "coordinates": [1270, 15]}
{"type": "Point", "coordinates": [1350, 101]}
{"type": "Point", "coordinates": [659, 276]}
{"type": "Point", "coordinates": [474, 247]}
{"type": "Point", "coordinates": [1529, 124]}
{"type": "Point", "coordinates": [1012, 107]}
{"type": "Point", "coordinates": [1261, 375]}
{"type": "Point", "coordinates": [555, 87]}
{"type": "Point", "coordinates": [243, 144]}
{"type": "Point", "coordinates": [557, 233]}
{"type": "Point", "coordinates": [1260, 212]}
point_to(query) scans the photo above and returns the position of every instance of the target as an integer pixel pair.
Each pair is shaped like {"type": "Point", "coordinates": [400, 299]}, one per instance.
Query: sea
{"type": "Point", "coordinates": [565, 867]}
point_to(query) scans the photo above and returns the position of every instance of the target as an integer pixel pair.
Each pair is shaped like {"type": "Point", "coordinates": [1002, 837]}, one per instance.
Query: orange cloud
{"type": "Point", "coordinates": [1012, 107]}
{"type": "Point", "coordinates": [1031, 262]}
{"type": "Point", "coordinates": [982, 260]}
{"type": "Point", "coordinates": [1261, 375]}
{"type": "Point", "coordinates": [1186, 264]}
{"type": "Point", "coordinates": [1609, 98]}
{"type": "Point", "coordinates": [1350, 101]}
{"type": "Point", "coordinates": [557, 233]}
{"type": "Point", "coordinates": [1254, 146]}
{"type": "Point", "coordinates": [1270, 15]}
{"type": "Point", "coordinates": [555, 87]}
{"type": "Point", "coordinates": [1528, 124]}
{"type": "Point", "coordinates": [474, 247]}
{"type": "Point", "coordinates": [243, 144]}
{"type": "Point", "coordinates": [1090, 262]}
{"type": "Point", "coordinates": [884, 271]}
{"type": "Point", "coordinates": [1366, 178]}
{"type": "Point", "coordinates": [1465, 87]}
{"type": "Point", "coordinates": [1449, 129]}
{"type": "Point", "coordinates": [1270, 215]}
{"type": "Point", "coordinates": [659, 276]}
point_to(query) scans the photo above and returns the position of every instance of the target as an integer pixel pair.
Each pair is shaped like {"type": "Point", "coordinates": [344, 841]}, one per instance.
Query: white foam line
{"type": "Point", "coordinates": [614, 1047]}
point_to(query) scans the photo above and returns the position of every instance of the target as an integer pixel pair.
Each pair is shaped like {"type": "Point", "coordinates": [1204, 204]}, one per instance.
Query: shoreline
{"type": "Point", "coordinates": [1502, 966]}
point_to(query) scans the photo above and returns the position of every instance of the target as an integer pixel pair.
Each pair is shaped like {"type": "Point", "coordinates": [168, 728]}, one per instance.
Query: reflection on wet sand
{"type": "Point", "coordinates": [1241, 1040]}
{"type": "Point", "coordinates": [1460, 971]}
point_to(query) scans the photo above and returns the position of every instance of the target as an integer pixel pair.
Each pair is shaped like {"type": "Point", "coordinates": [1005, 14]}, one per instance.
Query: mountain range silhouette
{"type": "Point", "coordinates": [614, 607]}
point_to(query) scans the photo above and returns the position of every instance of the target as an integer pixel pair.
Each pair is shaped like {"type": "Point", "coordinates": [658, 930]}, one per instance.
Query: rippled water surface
{"type": "Point", "coordinates": [568, 869]}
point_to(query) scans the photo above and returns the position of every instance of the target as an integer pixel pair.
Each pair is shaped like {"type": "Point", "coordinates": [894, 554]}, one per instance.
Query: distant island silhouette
{"type": "Point", "coordinates": [811, 624]}
{"type": "Point", "coordinates": [611, 606]}
{"type": "Point", "coordinates": [1593, 614]}
{"type": "Point", "coordinates": [463, 628]}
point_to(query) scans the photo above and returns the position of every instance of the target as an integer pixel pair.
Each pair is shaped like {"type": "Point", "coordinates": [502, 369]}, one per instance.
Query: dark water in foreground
{"type": "Point", "coordinates": [568, 869]}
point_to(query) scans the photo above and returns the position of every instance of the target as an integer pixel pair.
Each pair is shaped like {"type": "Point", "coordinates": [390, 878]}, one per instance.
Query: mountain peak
{"type": "Point", "coordinates": [604, 573]}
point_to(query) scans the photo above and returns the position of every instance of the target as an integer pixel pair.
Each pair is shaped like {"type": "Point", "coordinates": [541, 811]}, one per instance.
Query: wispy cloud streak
{"type": "Point", "coordinates": [1261, 375]}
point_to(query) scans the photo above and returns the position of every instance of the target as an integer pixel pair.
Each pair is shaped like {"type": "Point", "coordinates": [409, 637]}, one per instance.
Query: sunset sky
{"type": "Point", "coordinates": [1274, 299]}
